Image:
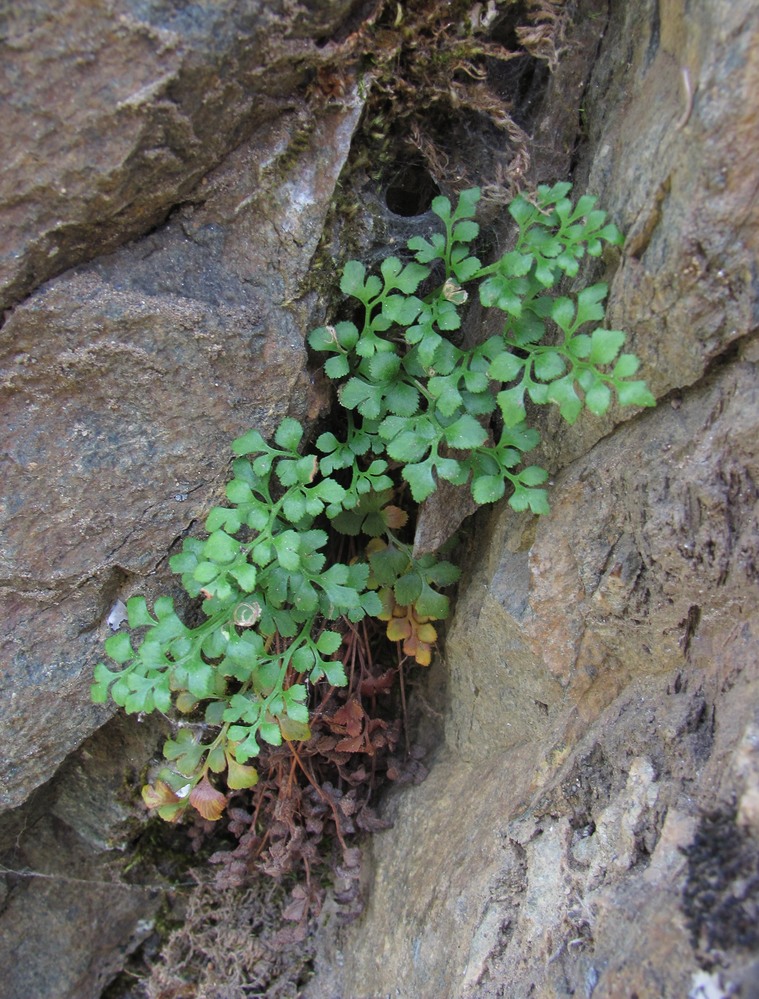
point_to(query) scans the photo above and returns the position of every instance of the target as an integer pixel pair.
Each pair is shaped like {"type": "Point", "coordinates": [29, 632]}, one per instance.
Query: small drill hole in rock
{"type": "Point", "coordinates": [411, 190]}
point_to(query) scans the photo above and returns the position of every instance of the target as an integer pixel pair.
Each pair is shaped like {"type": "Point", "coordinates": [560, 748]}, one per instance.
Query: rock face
{"type": "Point", "coordinates": [589, 826]}
{"type": "Point", "coordinates": [181, 139]}
{"type": "Point", "coordinates": [124, 382]}
{"type": "Point", "coordinates": [113, 114]}
{"type": "Point", "coordinates": [70, 913]}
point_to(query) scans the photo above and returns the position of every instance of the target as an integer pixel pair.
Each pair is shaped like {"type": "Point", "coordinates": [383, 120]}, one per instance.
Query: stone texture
{"type": "Point", "coordinates": [651, 547]}
{"type": "Point", "coordinates": [123, 384]}
{"type": "Point", "coordinates": [601, 725]}
{"type": "Point", "coordinates": [70, 915]}
{"type": "Point", "coordinates": [589, 826]}
{"type": "Point", "coordinates": [111, 113]}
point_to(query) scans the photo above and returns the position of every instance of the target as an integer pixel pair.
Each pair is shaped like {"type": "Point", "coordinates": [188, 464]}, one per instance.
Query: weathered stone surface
{"type": "Point", "coordinates": [590, 825]}
{"type": "Point", "coordinates": [678, 174]}
{"type": "Point", "coordinates": [651, 547]}
{"type": "Point", "coordinates": [602, 692]}
{"type": "Point", "coordinates": [69, 913]}
{"type": "Point", "coordinates": [110, 114]}
{"type": "Point", "coordinates": [124, 383]}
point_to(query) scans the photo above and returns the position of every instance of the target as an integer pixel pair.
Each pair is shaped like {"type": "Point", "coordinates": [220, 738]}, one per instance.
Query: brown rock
{"type": "Point", "coordinates": [124, 384]}
{"type": "Point", "coordinates": [71, 913]}
{"type": "Point", "coordinates": [589, 826]}
{"type": "Point", "coordinates": [110, 117]}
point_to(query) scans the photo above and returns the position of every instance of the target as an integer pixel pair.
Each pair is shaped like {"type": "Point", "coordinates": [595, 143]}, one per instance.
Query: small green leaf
{"type": "Point", "coordinates": [329, 642]}
{"type": "Point", "coordinates": [605, 345]}
{"type": "Point", "coordinates": [245, 575]}
{"type": "Point", "coordinates": [383, 367]}
{"type": "Point", "coordinates": [408, 588]}
{"type": "Point", "coordinates": [334, 672]}
{"type": "Point", "coordinates": [270, 732]}
{"type": "Point", "coordinates": [240, 777]}
{"type": "Point", "coordinates": [205, 572]}
{"type": "Point", "coordinates": [250, 443]}
{"type": "Point", "coordinates": [288, 434]}
{"type": "Point", "coordinates": [103, 679]}
{"type": "Point", "coordinates": [390, 268]}
{"type": "Point", "coordinates": [511, 403]}
{"type": "Point", "coordinates": [329, 490]}
{"type": "Point", "coordinates": [239, 492]}
{"type": "Point", "coordinates": [223, 516]}
{"type": "Point", "coordinates": [467, 204]}
{"type": "Point", "coordinates": [465, 232]}
{"type": "Point", "coordinates": [408, 281]}
{"type": "Point", "coordinates": [502, 292]}
{"type": "Point", "coordinates": [453, 471]}
{"type": "Point", "coordinates": [432, 604]}
{"type": "Point", "coordinates": [589, 308]}
{"type": "Point", "coordinates": [168, 628]}
{"type": "Point", "coordinates": [298, 712]}
{"type": "Point", "coordinates": [579, 346]}
{"type": "Point", "coordinates": [466, 268]}
{"type": "Point", "coordinates": [439, 573]}
{"type": "Point", "coordinates": [563, 393]}
{"type": "Point", "coordinates": [522, 211]}
{"type": "Point", "coordinates": [563, 313]}
{"type": "Point", "coordinates": [447, 317]}
{"type": "Point", "coordinates": [294, 506]}
{"type": "Point", "coordinates": [535, 500]}
{"type": "Point", "coordinates": [598, 398]}
{"type": "Point", "coordinates": [428, 250]}
{"type": "Point", "coordinates": [201, 680]}
{"type": "Point", "coordinates": [626, 366]}
{"type": "Point", "coordinates": [337, 367]}
{"type": "Point", "coordinates": [327, 443]}
{"type": "Point", "coordinates": [441, 206]}
{"type": "Point", "coordinates": [420, 478]}
{"type": "Point", "coordinates": [635, 394]}
{"type": "Point", "coordinates": [506, 367]}
{"type": "Point", "coordinates": [119, 648]}
{"type": "Point", "coordinates": [220, 547]}
{"type": "Point", "coordinates": [488, 488]}
{"type": "Point", "coordinates": [549, 365]}
{"type": "Point", "coordinates": [352, 281]}
{"type": "Point", "coordinates": [163, 607]}
{"type": "Point", "coordinates": [138, 614]}
{"type": "Point", "coordinates": [402, 399]}
{"type": "Point", "coordinates": [533, 475]}
{"type": "Point", "coordinates": [181, 563]}
{"type": "Point", "coordinates": [287, 546]}
{"type": "Point", "coordinates": [358, 394]}
{"type": "Point", "coordinates": [217, 760]}
{"type": "Point", "coordinates": [408, 447]}
{"type": "Point", "coordinates": [388, 564]}
{"type": "Point", "coordinates": [465, 433]}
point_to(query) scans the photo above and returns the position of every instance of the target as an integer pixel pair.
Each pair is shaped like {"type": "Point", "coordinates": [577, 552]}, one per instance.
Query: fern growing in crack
{"type": "Point", "coordinates": [416, 406]}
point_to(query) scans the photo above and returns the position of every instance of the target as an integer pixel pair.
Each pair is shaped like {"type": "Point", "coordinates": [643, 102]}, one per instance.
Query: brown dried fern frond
{"type": "Point", "coordinates": [544, 35]}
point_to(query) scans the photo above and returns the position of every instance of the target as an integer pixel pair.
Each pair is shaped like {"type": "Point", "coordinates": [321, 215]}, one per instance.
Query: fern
{"type": "Point", "coordinates": [414, 402]}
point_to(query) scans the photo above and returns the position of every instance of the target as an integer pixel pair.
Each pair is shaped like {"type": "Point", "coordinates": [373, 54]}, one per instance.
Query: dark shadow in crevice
{"type": "Point", "coordinates": [410, 190]}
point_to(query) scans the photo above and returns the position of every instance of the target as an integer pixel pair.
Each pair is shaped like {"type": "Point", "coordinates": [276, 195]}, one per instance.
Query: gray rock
{"type": "Point", "coordinates": [70, 913]}
{"type": "Point", "coordinates": [111, 116]}
{"type": "Point", "coordinates": [590, 824]}
{"type": "Point", "coordinates": [124, 383]}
